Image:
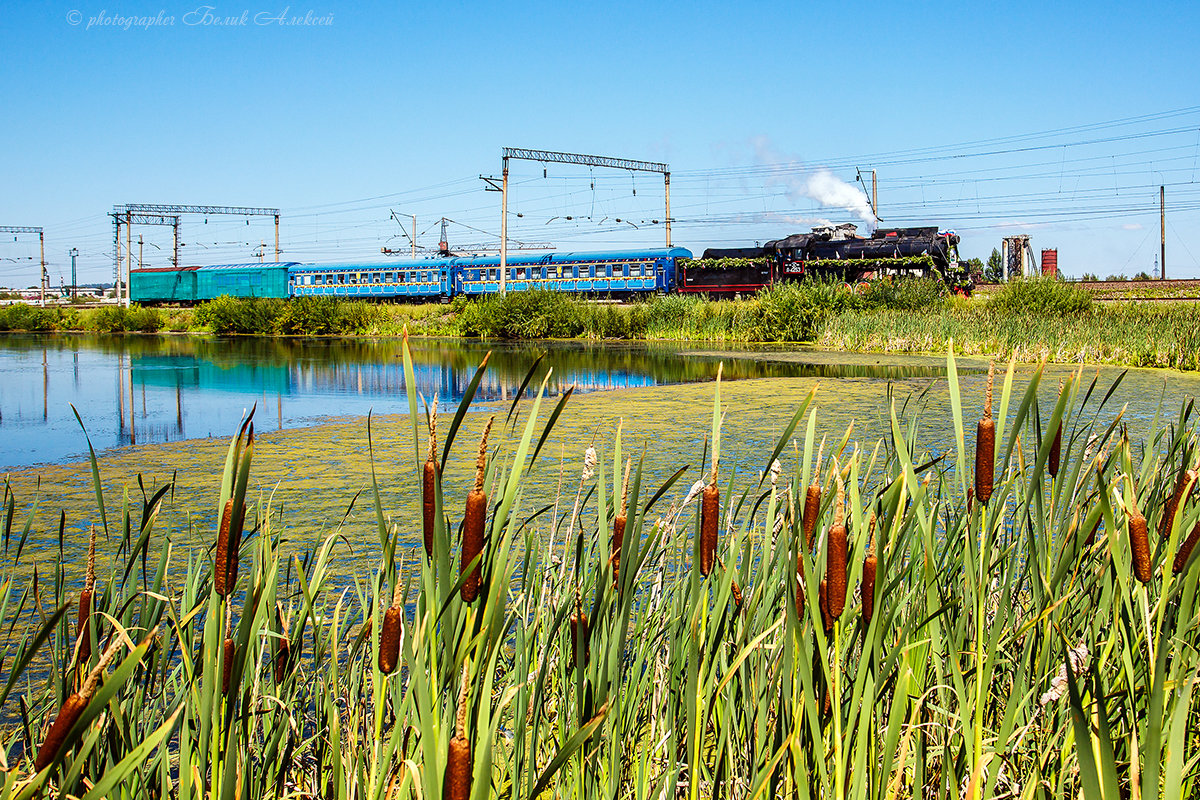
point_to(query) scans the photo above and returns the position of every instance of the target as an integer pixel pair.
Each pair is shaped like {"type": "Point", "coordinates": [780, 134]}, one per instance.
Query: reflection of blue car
{"type": "Point", "coordinates": [619, 274]}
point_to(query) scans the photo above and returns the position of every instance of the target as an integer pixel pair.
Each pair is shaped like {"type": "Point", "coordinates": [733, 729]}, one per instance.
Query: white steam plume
{"type": "Point", "coordinates": [822, 185]}
{"type": "Point", "coordinates": [830, 190]}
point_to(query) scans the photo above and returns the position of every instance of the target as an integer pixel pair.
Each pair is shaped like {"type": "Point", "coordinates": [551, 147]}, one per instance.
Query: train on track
{"type": "Point", "coordinates": [832, 252]}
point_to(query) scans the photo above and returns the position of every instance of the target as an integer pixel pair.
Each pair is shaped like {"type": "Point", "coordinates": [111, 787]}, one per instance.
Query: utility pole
{"type": "Point", "coordinates": [74, 253]}
{"type": "Point", "coordinates": [45, 275]}
{"type": "Point", "coordinates": [667, 192]}
{"type": "Point", "coordinates": [504, 229]}
{"type": "Point", "coordinates": [874, 196]}
{"type": "Point", "coordinates": [128, 259]}
{"type": "Point", "coordinates": [1162, 221]}
{"type": "Point", "coordinates": [276, 238]}
{"type": "Point", "coordinates": [141, 262]}
{"type": "Point", "coordinates": [413, 238]}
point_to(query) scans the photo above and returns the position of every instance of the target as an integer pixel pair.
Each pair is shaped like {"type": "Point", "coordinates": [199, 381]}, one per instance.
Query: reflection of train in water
{"type": "Point", "coordinates": [832, 252]}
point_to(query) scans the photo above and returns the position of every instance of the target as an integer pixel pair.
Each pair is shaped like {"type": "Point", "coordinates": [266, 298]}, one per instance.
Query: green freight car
{"type": "Point", "coordinates": [164, 285]}
{"type": "Point", "coordinates": [188, 285]}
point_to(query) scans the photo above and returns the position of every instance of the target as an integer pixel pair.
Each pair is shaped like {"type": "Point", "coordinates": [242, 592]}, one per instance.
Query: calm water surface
{"type": "Point", "coordinates": [138, 390]}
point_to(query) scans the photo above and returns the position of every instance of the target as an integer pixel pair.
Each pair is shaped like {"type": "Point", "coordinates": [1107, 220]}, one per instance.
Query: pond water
{"type": "Point", "coordinates": [136, 390]}
{"type": "Point", "coordinates": [161, 410]}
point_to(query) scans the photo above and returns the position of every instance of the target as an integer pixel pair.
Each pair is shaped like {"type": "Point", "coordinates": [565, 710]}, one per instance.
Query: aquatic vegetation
{"type": "Point", "coordinates": [946, 647]}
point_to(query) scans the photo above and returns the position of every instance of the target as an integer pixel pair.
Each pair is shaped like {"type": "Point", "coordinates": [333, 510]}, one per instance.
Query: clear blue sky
{"type": "Point", "coordinates": [402, 106]}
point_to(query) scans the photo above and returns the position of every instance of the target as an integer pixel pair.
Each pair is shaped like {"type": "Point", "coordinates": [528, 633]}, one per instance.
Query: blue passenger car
{"type": "Point", "coordinates": [357, 281]}
{"type": "Point", "coordinates": [618, 273]}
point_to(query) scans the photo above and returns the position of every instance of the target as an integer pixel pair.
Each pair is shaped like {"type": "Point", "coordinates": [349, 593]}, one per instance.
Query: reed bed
{"type": "Point", "coordinates": [1010, 646]}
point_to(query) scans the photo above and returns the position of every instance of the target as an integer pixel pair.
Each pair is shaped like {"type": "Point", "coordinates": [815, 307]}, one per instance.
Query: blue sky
{"type": "Point", "coordinates": [400, 107]}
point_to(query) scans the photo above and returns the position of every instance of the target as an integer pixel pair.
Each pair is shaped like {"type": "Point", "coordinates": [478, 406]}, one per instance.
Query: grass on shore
{"type": "Point", "coordinates": [1031, 319]}
{"type": "Point", "coordinates": [1026, 646]}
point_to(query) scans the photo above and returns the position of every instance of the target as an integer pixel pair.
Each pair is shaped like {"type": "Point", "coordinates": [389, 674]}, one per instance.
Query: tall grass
{"type": "Point", "coordinates": [1007, 655]}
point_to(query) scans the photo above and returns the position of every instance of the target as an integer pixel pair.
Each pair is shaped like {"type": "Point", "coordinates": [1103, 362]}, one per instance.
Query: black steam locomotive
{"type": "Point", "coordinates": [834, 252]}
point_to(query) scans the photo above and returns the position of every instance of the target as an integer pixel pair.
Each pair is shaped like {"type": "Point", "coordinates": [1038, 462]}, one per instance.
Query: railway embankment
{"type": "Point", "coordinates": [1031, 320]}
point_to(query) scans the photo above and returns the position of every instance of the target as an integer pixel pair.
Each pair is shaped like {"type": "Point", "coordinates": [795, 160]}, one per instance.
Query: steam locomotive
{"type": "Point", "coordinates": [832, 251]}
{"type": "Point", "coordinates": [828, 252]}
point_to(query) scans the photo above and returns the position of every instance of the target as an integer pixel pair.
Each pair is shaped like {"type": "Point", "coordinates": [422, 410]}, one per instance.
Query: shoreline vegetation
{"type": "Point", "coordinates": [1018, 618]}
{"type": "Point", "coordinates": [1032, 320]}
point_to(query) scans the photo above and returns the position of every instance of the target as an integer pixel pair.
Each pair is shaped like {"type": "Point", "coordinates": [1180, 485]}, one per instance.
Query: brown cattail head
{"type": "Point", "coordinates": [473, 520]}
{"type": "Point", "coordinates": [456, 783]}
{"type": "Point", "coordinates": [86, 601]}
{"type": "Point", "coordinates": [389, 640]}
{"type": "Point", "coordinates": [389, 634]}
{"type": "Point", "coordinates": [283, 653]}
{"type": "Point", "coordinates": [227, 666]}
{"type": "Point", "coordinates": [812, 500]}
{"type": "Point", "coordinates": [619, 522]}
{"type": "Point", "coordinates": [580, 634]}
{"type": "Point", "coordinates": [985, 446]}
{"type": "Point", "coordinates": [868, 578]}
{"type": "Point", "coordinates": [710, 517]}
{"type": "Point", "coordinates": [823, 602]}
{"type": "Point", "coordinates": [1139, 542]}
{"type": "Point", "coordinates": [229, 539]}
{"type": "Point", "coordinates": [1056, 445]}
{"type": "Point", "coordinates": [835, 556]}
{"type": "Point", "coordinates": [70, 711]}
{"type": "Point", "coordinates": [428, 478]}
{"type": "Point", "coordinates": [1186, 479]}
{"type": "Point", "coordinates": [1185, 550]}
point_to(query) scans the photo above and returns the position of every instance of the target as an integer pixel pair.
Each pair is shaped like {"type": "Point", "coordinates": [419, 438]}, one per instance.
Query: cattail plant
{"type": "Point", "coordinates": [87, 597]}
{"type": "Point", "coordinates": [823, 604]}
{"type": "Point", "coordinates": [618, 534]}
{"type": "Point", "coordinates": [1186, 479]}
{"type": "Point", "coordinates": [868, 576]}
{"type": "Point", "coordinates": [227, 652]}
{"type": "Point", "coordinates": [812, 502]}
{"type": "Point", "coordinates": [1185, 550]}
{"type": "Point", "coordinates": [580, 633]}
{"type": "Point", "coordinates": [835, 555]}
{"type": "Point", "coordinates": [456, 784]}
{"type": "Point", "coordinates": [985, 445]}
{"type": "Point", "coordinates": [1139, 541]}
{"type": "Point", "coordinates": [283, 652]}
{"type": "Point", "coordinates": [56, 738]}
{"type": "Point", "coordinates": [476, 514]}
{"type": "Point", "coordinates": [808, 521]}
{"type": "Point", "coordinates": [389, 634]}
{"type": "Point", "coordinates": [229, 539]}
{"type": "Point", "coordinates": [1056, 444]}
{"type": "Point", "coordinates": [428, 483]}
{"type": "Point", "coordinates": [710, 518]}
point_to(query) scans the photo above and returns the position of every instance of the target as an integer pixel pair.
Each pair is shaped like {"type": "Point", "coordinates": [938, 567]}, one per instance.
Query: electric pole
{"type": "Point", "coordinates": [74, 253]}
{"type": "Point", "coordinates": [874, 196]}
{"type": "Point", "coordinates": [45, 275]}
{"type": "Point", "coordinates": [1162, 220]}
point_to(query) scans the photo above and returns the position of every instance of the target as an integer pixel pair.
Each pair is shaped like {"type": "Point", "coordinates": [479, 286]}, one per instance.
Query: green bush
{"type": "Point", "coordinates": [26, 317]}
{"type": "Point", "coordinates": [118, 319]}
{"type": "Point", "coordinates": [907, 294]}
{"type": "Point", "coordinates": [311, 316]}
{"type": "Point", "coordinates": [533, 314]}
{"type": "Point", "coordinates": [1041, 297]}
{"type": "Point", "coordinates": [225, 314]}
